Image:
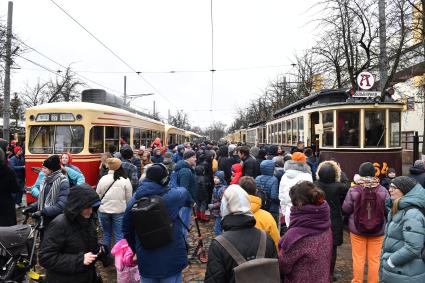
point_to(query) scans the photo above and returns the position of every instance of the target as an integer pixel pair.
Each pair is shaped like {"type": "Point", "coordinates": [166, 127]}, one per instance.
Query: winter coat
{"type": "Point", "coordinates": [236, 173]}
{"type": "Point", "coordinates": [179, 154]}
{"type": "Point", "coordinates": [308, 260]}
{"type": "Point", "coordinates": [186, 178]}
{"type": "Point", "coordinates": [131, 171]}
{"type": "Point", "coordinates": [68, 237]}
{"type": "Point", "coordinates": [75, 177]}
{"type": "Point", "coordinates": [418, 174]}
{"type": "Point", "coordinates": [8, 185]}
{"type": "Point", "coordinates": [119, 194]}
{"type": "Point", "coordinates": [269, 183]}
{"type": "Point", "coordinates": [404, 240]}
{"type": "Point", "coordinates": [386, 181]}
{"type": "Point", "coordinates": [171, 258]}
{"type": "Point", "coordinates": [294, 172]}
{"type": "Point", "coordinates": [313, 163]}
{"type": "Point", "coordinates": [349, 206]}
{"type": "Point", "coordinates": [328, 179]}
{"type": "Point", "coordinates": [240, 231]}
{"type": "Point", "coordinates": [217, 195]}
{"type": "Point", "coordinates": [138, 163]}
{"type": "Point", "coordinates": [258, 161]}
{"type": "Point", "coordinates": [18, 165]}
{"type": "Point", "coordinates": [249, 167]}
{"type": "Point", "coordinates": [202, 183]}
{"type": "Point", "coordinates": [103, 170]}
{"type": "Point", "coordinates": [264, 220]}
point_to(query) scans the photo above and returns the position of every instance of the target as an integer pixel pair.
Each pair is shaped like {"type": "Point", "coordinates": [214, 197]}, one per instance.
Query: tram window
{"type": "Point", "coordinates": [111, 137]}
{"type": "Point", "coordinates": [328, 130]}
{"type": "Point", "coordinates": [375, 128]}
{"type": "Point", "coordinates": [294, 131]}
{"type": "Point", "coordinates": [301, 128]}
{"type": "Point", "coordinates": [96, 140]}
{"type": "Point", "coordinates": [348, 128]}
{"type": "Point", "coordinates": [69, 139]}
{"type": "Point", "coordinates": [283, 132]}
{"type": "Point", "coordinates": [395, 129]}
{"type": "Point", "coordinates": [136, 138]}
{"type": "Point", "coordinates": [143, 137]}
{"type": "Point", "coordinates": [125, 135]}
{"type": "Point", "coordinates": [289, 131]}
{"type": "Point", "coordinates": [148, 138]}
{"type": "Point", "coordinates": [41, 139]}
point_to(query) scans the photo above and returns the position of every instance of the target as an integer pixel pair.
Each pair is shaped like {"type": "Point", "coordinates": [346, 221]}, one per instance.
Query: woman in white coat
{"type": "Point", "coordinates": [115, 191]}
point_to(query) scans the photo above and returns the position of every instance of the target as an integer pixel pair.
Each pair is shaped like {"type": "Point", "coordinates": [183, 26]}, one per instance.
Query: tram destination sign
{"type": "Point", "coordinates": [367, 94]}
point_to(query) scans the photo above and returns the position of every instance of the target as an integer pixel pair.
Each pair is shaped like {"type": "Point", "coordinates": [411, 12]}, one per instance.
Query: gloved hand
{"type": "Point", "coordinates": [36, 215]}
{"type": "Point", "coordinates": [28, 210]}
{"type": "Point", "coordinates": [210, 206]}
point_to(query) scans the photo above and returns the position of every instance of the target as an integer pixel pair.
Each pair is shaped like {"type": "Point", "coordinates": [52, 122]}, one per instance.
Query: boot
{"type": "Point", "coordinates": [204, 217]}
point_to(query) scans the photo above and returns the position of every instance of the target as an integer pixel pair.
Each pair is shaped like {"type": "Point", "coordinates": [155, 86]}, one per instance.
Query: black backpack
{"type": "Point", "coordinates": [151, 222]}
{"type": "Point", "coordinates": [265, 197]}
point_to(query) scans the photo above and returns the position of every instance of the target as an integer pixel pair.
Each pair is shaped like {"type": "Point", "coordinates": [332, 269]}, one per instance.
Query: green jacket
{"type": "Point", "coordinates": [404, 241]}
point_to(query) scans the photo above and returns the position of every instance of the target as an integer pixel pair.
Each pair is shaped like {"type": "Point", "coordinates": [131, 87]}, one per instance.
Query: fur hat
{"type": "Point", "coordinates": [299, 156]}
{"type": "Point", "coordinates": [404, 183]}
{"type": "Point", "coordinates": [52, 163]}
{"type": "Point", "coordinates": [367, 169]}
{"type": "Point", "coordinates": [235, 201]}
{"type": "Point", "coordinates": [188, 154]}
{"type": "Point", "coordinates": [156, 173]}
{"type": "Point", "coordinates": [113, 163]}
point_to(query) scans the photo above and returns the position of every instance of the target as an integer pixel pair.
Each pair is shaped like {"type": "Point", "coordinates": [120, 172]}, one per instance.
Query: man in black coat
{"type": "Point", "coordinates": [249, 167]}
{"type": "Point", "coordinates": [238, 224]}
{"type": "Point", "coordinates": [8, 185]}
{"type": "Point", "coordinates": [417, 172]}
{"type": "Point", "coordinates": [225, 162]}
{"type": "Point", "coordinates": [70, 246]}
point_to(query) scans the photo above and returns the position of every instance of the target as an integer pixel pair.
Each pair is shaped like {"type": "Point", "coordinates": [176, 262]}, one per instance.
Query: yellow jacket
{"type": "Point", "coordinates": [264, 219]}
{"type": "Point", "coordinates": [214, 165]}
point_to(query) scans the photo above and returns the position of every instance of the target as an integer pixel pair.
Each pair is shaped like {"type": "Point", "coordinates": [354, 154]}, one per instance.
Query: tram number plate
{"type": "Point", "coordinates": [368, 94]}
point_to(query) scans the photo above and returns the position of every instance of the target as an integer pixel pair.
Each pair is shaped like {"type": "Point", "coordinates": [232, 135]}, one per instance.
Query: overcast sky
{"type": "Point", "coordinates": [251, 38]}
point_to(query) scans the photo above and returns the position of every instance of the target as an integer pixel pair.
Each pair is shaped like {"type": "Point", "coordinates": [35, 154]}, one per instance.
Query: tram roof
{"type": "Point", "coordinates": [87, 106]}
{"type": "Point", "coordinates": [256, 124]}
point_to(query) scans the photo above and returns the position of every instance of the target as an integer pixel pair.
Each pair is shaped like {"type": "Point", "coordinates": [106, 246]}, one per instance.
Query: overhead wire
{"type": "Point", "coordinates": [212, 60]}
{"type": "Point", "coordinates": [113, 53]}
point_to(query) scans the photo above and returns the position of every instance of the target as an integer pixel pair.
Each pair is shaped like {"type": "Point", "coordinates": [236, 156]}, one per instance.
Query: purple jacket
{"type": "Point", "coordinates": [349, 206]}
{"type": "Point", "coordinates": [308, 260]}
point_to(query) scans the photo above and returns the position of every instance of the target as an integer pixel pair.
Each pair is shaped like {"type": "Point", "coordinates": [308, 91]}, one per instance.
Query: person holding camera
{"type": "Point", "coordinates": [70, 247]}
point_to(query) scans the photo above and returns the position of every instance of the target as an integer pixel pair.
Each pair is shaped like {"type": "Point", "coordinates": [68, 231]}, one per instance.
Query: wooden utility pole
{"type": "Point", "coordinates": [383, 58]}
{"type": "Point", "coordinates": [6, 103]}
{"type": "Point", "coordinates": [125, 90]}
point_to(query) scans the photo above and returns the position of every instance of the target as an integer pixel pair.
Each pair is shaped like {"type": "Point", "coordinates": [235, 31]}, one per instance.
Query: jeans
{"type": "Point", "coordinates": [172, 279]}
{"type": "Point", "coordinates": [185, 214]}
{"type": "Point", "coordinates": [217, 226]}
{"type": "Point", "coordinates": [111, 222]}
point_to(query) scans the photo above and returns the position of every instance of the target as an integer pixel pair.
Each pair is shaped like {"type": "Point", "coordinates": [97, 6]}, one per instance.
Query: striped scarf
{"type": "Point", "coordinates": [52, 184]}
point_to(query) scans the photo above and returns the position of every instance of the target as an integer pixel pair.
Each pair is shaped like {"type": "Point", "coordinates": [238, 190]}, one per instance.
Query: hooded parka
{"type": "Point", "coordinates": [404, 240]}
{"type": "Point", "coordinates": [68, 237]}
{"type": "Point", "coordinates": [269, 183]}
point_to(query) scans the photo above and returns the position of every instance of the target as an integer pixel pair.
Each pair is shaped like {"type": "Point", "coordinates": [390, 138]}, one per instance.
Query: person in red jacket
{"type": "Point", "coordinates": [236, 173]}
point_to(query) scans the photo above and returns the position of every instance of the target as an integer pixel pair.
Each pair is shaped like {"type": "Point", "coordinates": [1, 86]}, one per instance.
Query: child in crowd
{"type": "Point", "coordinates": [386, 181]}
{"type": "Point", "coordinates": [236, 173]}
{"type": "Point", "coordinates": [220, 186]}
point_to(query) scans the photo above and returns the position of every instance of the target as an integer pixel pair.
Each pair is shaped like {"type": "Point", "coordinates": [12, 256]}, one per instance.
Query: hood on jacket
{"type": "Point", "coordinates": [416, 170]}
{"type": "Point", "coordinates": [296, 166]}
{"type": "Point", "coordinates": [415, 197]}
{"type": "Point", "coordinates": [254, 151]}
{"type": "Point", "coordinates": [237, 168]}
{"type": "Point", "coordinates": [267, 167]}
{"type": "Point", "coordinates": [182, 164]}
{"type": "Point", "coordinates": [328, 172]}
{"type": "Point", "coordinates": [273, 149]}
{"type": "Point", "coordinates": [255, 203]}
{"type": "Point", "coordinates": [221, 176]}
{"type": "Point", "coordinates": [200, 170]}
{"type": "Point", "coordinates": [79, 198]}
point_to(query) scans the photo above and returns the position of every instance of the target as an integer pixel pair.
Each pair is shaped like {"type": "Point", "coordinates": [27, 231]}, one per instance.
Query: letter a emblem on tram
{"type": "Point", "coordinates": [365, 80]}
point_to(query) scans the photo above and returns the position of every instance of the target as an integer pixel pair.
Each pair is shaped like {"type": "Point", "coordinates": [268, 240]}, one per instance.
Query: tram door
{"type": "Point", "coordinates": [314, 142]}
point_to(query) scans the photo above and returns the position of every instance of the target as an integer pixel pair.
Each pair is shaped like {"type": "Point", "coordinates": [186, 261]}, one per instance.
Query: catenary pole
{"type": "Point", "coordinates": [6, 103]}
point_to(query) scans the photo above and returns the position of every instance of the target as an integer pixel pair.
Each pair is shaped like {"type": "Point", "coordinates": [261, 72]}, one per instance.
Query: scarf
{"type": "Point", "coordinates": [308, 220]}
{"type": "Point", "coordinates": [52, 184]}
{"type": "Point", "coordinates": [368, 182]}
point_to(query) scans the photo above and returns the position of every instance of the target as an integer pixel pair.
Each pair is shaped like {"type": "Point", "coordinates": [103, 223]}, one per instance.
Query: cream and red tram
{"type": "Point", "coordinates": [351, 130]}
{"type": "Point", "coordinates": [85, 130]}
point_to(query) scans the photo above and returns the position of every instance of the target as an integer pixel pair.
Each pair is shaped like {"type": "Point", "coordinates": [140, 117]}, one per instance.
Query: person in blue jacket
{"type": "Point", "coordinates": [74, 174]}
{"type": "Point", "coordinates": [164, 264]}
{"type": "Point", "coordinates": [179, 154]}
{"type": "Point", "coordinates": [404, 239]}
{"type": "Point", "coordinates": [71, 174]}
{"type": "Point", "coordinates": [17, 163]}
{"type": "Point", "coordinates": [270, 184]}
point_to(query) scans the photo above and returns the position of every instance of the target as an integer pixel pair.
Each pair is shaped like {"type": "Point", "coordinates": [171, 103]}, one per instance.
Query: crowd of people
{"type": "Point", "coordinates": [282, 211]}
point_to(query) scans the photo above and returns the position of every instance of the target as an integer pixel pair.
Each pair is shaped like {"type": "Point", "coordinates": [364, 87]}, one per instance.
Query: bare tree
{"type": "Point", "coordinates": [180, 120]}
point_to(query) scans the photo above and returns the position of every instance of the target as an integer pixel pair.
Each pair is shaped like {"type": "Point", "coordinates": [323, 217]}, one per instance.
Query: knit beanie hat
{"type": "Point", "coordinates": [52, 163]}
{"type": "Point", "coordinates": [156, 173]}
{"type": "Point", "coordinates": [404, 183]}
{"type": "Point", "coordinates": [17, 149]}
{"type": "Point", "coordinates": [299, 156]}
{"type": "Point", "coordinates": [113, 163]}
{"type": "Point", "coordinates": [235, 201]}
{"type": "Point", "coordinates": [168, 154]}
{"type": "Point", "coordinates": [366, 169]}
{"type": "Point", "coordinates": [391, 170]}
{"type": "Point", "coordinates": [419, 164]}
{"type": "Point", "coordinates": [188, 154]}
